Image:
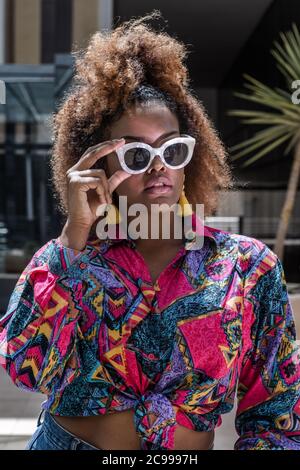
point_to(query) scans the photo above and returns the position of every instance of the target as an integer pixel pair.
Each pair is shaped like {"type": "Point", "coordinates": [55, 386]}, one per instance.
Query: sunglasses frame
{"type": "Point", "coordinates": [184, 138]}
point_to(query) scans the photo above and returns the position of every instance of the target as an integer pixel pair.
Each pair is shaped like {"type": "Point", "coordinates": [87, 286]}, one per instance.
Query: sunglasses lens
{"type": "Point", "coordinates": [176, 154]}
{"type": "Point", "coordinates": [137, 158]}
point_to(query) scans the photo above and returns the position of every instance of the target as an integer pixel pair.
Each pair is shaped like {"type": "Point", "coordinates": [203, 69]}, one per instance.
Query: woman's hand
{"type": "Point", "coordinates": [87, 189]}
{"type": "Point", "coordinates": [83, 203]}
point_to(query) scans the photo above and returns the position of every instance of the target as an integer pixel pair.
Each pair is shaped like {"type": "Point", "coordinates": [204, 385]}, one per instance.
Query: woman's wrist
{"type": "Point", "coordinates": [74, 236]}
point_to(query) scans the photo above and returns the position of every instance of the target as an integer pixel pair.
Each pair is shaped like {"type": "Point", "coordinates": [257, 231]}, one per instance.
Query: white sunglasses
{"type": "Point", "coordinates": [136, 157]}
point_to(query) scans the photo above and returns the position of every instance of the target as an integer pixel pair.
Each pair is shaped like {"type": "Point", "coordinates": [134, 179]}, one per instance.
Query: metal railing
{"type": "Point", "coordinates": [259, 227]}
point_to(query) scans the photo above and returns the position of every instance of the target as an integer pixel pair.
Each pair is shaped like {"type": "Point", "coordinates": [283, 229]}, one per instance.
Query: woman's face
{"type": "Point", "coordinates": [153, 125]}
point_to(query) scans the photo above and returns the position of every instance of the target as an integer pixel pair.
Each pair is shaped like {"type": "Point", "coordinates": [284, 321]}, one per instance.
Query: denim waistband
{"type": "Point", "coordinates": [63, 435]}
{"type": "Point", "coordinates": [59, 433]}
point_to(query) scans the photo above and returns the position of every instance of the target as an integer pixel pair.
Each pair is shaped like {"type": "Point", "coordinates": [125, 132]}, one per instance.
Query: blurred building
{"type": "Point", "coordinates": [225, 38]}
{"type": "Point", "coordinates": [36, 39]}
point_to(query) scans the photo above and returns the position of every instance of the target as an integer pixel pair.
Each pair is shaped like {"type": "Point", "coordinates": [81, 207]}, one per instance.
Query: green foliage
{"type": "Point", "coordinates": [280, 117]}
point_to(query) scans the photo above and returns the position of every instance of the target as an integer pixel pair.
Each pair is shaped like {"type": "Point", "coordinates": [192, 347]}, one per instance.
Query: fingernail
{"type": "Point", "coordinates": [118, 140]}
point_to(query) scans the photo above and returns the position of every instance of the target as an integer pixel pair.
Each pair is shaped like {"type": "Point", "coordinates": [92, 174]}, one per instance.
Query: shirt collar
{"type": "Point", "coordinates": [192, 239]}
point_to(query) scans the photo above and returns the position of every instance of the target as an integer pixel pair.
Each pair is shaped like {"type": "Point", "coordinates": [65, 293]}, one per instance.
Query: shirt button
{"type": "Point", "coordinates": [190, 235]}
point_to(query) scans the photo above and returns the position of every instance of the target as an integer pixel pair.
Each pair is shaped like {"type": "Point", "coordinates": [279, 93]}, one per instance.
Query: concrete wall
{"type": "Point", "coordinates": [85, 22]}
{"type": "Point", "coordinates": [27, 24]}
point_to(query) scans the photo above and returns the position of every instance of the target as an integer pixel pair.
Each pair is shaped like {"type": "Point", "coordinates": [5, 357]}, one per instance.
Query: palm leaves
{"type": "Point", "coordinates": [280, 118]}
{"type": "Point", "coordinates": [283, 117]}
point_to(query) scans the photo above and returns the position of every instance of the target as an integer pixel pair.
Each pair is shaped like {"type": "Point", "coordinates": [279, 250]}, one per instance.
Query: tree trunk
{"type": "Point", "coordinates": [288, 204]}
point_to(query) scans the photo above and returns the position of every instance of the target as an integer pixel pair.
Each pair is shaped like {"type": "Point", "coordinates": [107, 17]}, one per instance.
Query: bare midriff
{"type": "Point", "coordinates": [116, 431]}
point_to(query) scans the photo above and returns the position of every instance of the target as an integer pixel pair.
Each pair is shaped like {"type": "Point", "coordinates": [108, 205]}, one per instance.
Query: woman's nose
{"type": "Point", "coordinates": [157, 164]}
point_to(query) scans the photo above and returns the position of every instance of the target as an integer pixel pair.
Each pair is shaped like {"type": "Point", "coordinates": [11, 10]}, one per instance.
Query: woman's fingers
{"type": "Point", "coordinates": [117, 178]}
{"type": "Point", "coordinates": [82, 178]}
{"type": "Point", "coordinates": [93, 154]}
{"type": "Point", "coordinates": [99, 173]}
{"type": "Point", "coordinates": [84, 183]}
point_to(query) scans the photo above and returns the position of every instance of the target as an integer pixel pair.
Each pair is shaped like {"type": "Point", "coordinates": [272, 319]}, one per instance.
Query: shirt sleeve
{"type": "Point", "coordinates": [39, 330]}
{"type": "Point", "coordinates": [268, 406]}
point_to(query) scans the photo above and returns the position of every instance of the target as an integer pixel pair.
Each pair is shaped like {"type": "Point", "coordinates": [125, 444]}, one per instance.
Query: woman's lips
{"type": "Point", "coordinates": [158, 189]}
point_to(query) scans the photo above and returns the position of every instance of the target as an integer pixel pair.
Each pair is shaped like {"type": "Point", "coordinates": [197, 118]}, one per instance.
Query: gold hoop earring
{"type": "Point", "coordinates": [185, 208]}
{"type": "Point", "coordinates": [113, 214]}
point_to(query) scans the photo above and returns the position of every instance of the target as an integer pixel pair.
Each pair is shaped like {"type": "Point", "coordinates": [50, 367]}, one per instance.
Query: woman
{"type": "Point", "coordinates": [142, 342]}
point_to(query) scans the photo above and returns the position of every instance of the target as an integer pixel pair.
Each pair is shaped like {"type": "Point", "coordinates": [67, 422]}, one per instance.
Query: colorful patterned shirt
{"type": "Point", "coordinates": [91, 331]}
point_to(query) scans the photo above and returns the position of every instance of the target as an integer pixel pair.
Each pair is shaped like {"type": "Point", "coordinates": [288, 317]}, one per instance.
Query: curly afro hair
{"type": "Point", "coordinates": [135, 64]}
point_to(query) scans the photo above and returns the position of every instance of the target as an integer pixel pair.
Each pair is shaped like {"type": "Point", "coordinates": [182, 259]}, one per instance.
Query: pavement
{"type": "Point", "coordinates": [19, 410]}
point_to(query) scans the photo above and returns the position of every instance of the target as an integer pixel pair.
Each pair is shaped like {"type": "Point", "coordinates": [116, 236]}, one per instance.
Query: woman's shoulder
{"type": "Point", "coordinates": [62, 260]}
{"type": "Point", "coordinates": [251, 251]}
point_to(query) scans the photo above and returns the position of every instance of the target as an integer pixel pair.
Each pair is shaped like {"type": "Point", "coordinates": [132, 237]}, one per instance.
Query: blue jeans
{"type": "Point", "coordinates": [49, 435]}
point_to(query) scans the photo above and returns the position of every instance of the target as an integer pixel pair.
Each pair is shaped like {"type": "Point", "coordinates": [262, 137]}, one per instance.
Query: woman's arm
{"type": "Point", "coordinates": [39, 331]}
{"type": "Point", "coordinates": [268, 413]}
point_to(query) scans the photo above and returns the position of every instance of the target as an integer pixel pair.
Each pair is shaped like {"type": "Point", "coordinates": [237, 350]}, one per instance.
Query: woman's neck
{"type": "Point", "coordinates": [159, 233]}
